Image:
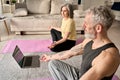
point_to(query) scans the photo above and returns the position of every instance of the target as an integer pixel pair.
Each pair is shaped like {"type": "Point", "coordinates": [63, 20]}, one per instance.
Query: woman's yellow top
{"type": "Point", "coordinates": [68, 25]}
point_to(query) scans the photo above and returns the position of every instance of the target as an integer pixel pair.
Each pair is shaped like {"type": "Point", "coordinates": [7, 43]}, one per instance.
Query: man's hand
{"type": "Point", "coordinates": [45, 57]}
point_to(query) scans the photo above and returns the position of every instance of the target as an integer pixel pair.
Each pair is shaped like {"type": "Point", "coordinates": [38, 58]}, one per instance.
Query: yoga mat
{"type": "Point", "coordinates": [79, 40]}
{"type": "Point", "coordinates": [50, 78]}
{"type": "Point", "coordinates": [30, 46]}
{"type": "Point", "coordinates": [27, 46]}
{"type": "Point", "coordinates": [115, 77]}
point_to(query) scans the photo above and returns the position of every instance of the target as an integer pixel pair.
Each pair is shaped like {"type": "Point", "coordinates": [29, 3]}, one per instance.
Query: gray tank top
{"type": "Point", "coordinates": [90, 54]}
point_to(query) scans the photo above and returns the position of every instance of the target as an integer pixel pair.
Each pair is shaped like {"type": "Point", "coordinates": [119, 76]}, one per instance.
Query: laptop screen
{"type": "Point", "coordinates": [18, 55]}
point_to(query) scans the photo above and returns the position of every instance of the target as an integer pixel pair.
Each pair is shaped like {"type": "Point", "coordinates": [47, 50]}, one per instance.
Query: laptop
{"type": "Point", "coordinates": [25, 61]}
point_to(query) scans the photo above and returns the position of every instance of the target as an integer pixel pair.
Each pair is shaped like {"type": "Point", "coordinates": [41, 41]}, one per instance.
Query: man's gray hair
{"type": "Point", "coordinates": [102, 15]}
{"type": "Point", "coordinates": [70, 9]}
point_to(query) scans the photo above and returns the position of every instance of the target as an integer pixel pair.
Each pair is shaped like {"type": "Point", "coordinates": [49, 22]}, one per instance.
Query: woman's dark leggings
{"type": "Point", "coordinates": [56, 35]}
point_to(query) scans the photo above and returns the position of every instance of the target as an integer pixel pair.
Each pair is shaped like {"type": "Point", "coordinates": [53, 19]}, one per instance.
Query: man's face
{"type": "Point", "coordinates": [89, 28]}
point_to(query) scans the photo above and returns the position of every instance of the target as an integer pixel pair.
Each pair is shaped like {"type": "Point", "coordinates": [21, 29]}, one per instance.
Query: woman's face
{"type": "Point", "coordinates": [65, 12]}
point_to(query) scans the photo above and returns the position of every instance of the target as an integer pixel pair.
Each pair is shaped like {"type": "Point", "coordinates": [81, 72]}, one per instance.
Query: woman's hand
{"type": "Point", "coordinates": [52, 45]}
{"type": "Point", "coordinates": [45, 57]}
{"type": "Point", "coordinates": [50, 27]}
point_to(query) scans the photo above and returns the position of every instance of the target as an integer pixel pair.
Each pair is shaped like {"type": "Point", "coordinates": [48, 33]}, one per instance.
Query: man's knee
{"type": "Point", "coordinates": [52, 63]}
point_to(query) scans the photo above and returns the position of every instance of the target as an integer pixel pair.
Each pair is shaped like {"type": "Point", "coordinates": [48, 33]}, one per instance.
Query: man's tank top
{"type": "Point", "coordinates": [90, 54]}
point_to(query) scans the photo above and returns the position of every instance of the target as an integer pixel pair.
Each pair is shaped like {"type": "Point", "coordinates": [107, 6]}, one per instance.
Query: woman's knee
{"type": "Point", "coordinates": [52, 30]}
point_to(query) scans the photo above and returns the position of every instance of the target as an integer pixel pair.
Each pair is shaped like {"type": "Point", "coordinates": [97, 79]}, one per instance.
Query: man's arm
{"type": "Point", "coordinates": [103, 66]}
{"type": "Point", "coordinates": [62, 55]}
{"type": "Point", "coordinates": [76, 50]}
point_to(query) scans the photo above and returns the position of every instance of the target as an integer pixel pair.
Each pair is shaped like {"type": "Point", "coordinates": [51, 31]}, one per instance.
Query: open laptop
{"type": "Point", "coordinates": [25, 61]}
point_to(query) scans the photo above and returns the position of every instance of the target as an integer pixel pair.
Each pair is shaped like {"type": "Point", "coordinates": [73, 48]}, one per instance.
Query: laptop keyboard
{"type": "Point", "coordinates": [28, 61]}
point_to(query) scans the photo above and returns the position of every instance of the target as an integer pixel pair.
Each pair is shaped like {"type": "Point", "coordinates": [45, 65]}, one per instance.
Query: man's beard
{"type": "Point", "coordinates": [90, 36]}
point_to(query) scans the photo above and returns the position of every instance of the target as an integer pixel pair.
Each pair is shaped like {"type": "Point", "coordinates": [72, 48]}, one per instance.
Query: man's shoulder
{"type": "Point", "coordinates": [113, 53]}
{"type": "Point", "coordinates": [110, 55]}
{"type": "Point", "coordinates": [106, 63]}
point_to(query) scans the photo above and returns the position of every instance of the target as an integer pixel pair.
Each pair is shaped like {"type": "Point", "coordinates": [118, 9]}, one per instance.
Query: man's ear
{"type": "Point", "coordinates": [98, 28]}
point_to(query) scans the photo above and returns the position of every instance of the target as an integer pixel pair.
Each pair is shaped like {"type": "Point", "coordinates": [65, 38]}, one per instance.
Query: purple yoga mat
{"type": "Point", "coordinates": [27, 46]}
{"type": "Point", "coordinates": [115, 78]}
{"type": "Point", "coordinates": [50, 78]}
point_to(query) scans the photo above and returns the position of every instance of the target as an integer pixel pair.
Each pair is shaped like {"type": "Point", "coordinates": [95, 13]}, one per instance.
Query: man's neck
{"type": "Point", "coordinates": [100, 41]}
